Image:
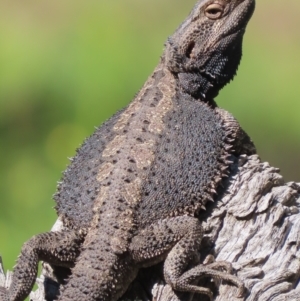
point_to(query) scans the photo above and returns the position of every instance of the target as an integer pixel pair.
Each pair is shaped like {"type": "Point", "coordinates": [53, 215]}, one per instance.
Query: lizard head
{"type": "Point", "coordinates": [206, 49]}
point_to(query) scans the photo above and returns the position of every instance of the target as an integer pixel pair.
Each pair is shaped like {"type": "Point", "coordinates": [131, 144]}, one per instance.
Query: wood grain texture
{"type": "Point", "coordinates": [254, 225]}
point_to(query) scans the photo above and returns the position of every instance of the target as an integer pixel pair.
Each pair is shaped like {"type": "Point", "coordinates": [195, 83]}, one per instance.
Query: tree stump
{"type": "Point", "coordinates": [254, 224]}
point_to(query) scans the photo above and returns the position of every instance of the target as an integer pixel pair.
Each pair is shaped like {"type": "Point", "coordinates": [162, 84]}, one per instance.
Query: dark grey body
{"type": "Point", "coordinates": [132, 193]}
{"type": "Point", "coordinates": [175, 181]}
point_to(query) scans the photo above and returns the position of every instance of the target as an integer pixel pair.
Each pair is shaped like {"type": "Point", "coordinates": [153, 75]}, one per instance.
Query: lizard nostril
{"type": "Point", "coordinates": [190, 48]}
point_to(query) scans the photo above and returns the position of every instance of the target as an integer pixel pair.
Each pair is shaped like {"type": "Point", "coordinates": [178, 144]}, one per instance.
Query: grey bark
{"type": "Point", "coordinates": [254, 225]}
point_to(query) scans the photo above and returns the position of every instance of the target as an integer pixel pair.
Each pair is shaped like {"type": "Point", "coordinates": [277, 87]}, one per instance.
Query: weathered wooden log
{"type": "Point", "coordinates": [255, 225]}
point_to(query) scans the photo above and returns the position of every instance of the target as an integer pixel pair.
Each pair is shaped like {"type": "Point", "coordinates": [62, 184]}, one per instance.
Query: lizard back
{"type": "Point", "coordinates": [141, 174]}
{"type": "Point", "coordinates": [118, 156]}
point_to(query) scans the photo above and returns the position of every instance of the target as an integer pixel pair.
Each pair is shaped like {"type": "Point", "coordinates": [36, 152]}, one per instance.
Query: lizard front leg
{"type": "Point", "coordinates": [178, 240]}
{"type": "Point", "coordinates": [57, 248]}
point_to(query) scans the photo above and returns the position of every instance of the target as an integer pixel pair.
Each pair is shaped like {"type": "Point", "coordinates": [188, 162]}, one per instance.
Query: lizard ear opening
{"type": "Point", "coordinates": [189, 50]}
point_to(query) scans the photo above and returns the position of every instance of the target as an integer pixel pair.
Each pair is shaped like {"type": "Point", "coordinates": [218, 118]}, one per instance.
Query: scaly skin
{"type": "Point", "coordinates": [131, 195]}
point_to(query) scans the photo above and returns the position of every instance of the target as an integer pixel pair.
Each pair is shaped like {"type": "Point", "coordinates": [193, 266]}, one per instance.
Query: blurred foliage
{"type": "Point", "coordinates": [66, 66]}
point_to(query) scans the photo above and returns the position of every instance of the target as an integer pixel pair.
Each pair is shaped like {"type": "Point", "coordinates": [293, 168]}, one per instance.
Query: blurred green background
{"type": "Point", "coordinates": [66, 66]}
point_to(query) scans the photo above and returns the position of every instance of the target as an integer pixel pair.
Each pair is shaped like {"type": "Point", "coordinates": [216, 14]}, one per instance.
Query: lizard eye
{"type": "Point", "coordinates": [214, 11]}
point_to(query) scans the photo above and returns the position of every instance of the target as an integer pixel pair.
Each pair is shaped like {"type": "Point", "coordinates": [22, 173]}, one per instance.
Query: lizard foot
{"type": "Point", "coordinates": [183, 283]}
